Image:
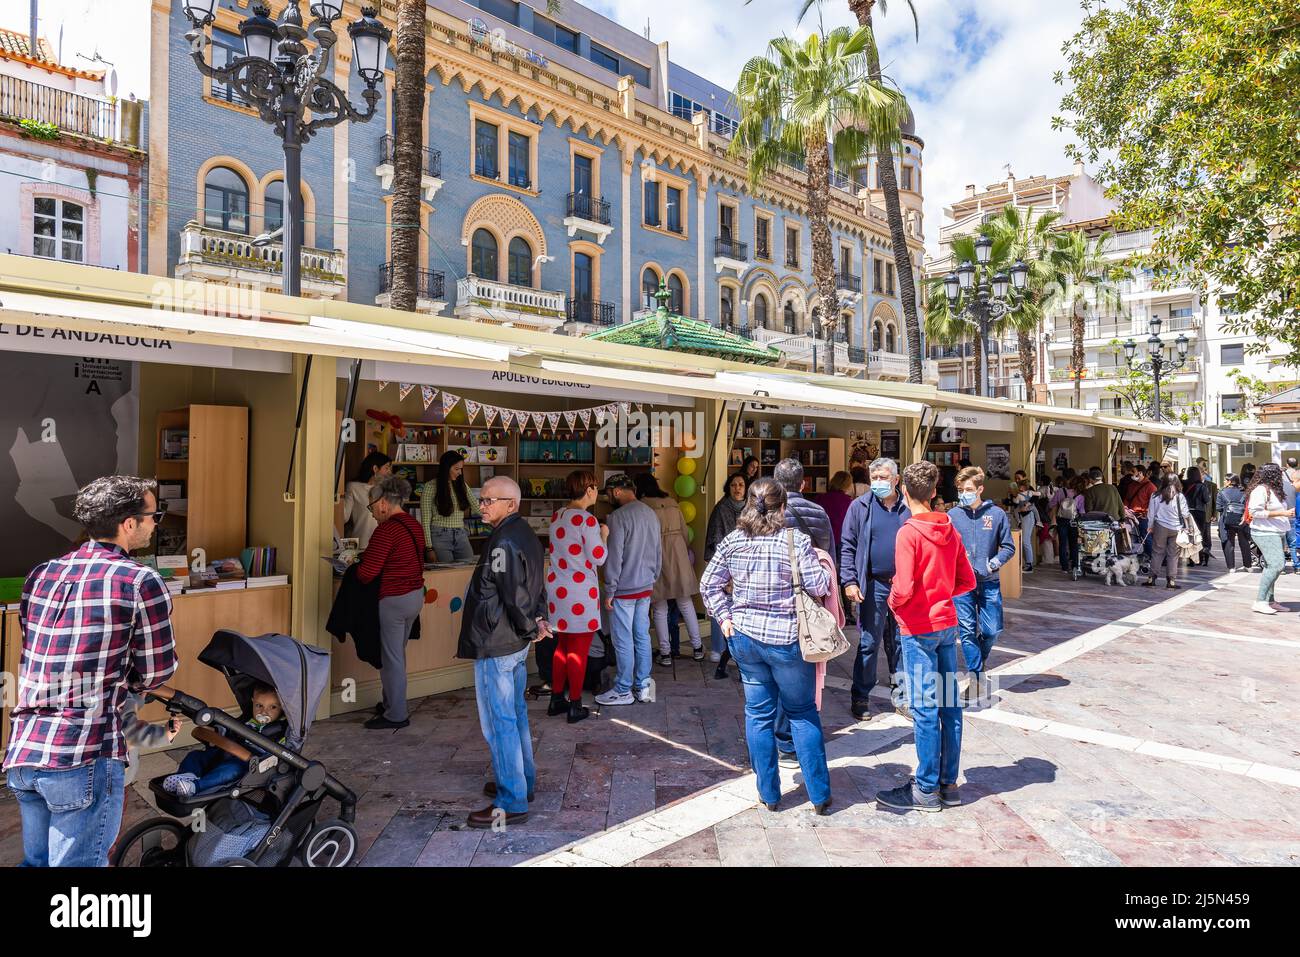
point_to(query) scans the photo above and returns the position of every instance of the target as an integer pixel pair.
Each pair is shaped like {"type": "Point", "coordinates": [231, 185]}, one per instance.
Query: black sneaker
{"type": "Point", "coordinates": [908, 797]}
{"type": "Point", "coordinates": [860, 710]}
{"type": "Point", "coordinates": [380, 723]}
{"type": "Point", "coordinates": [665, 661]}
{"type": "Point", "coordinates": [787, 759]}
{"type": "Point", "coordinates": [949, 795]}
{"type": "Point", "coordinates": [697, 654]}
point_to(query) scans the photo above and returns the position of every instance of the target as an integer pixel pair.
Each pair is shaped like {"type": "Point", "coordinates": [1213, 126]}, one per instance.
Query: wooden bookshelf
{"type": "Point", "coordinates": [820, 458]}
{"type": "Point", "coordinates": [215, 474]}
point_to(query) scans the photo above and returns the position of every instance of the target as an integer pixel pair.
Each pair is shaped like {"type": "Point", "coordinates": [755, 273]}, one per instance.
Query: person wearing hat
{"type": "Point", "coordinates": [633, 559]}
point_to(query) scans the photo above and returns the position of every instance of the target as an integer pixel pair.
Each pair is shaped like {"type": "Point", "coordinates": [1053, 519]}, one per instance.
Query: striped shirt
{"type": "Point", "coordinates": [429, 509]}
{"type": "Point", "coordinates": [396, 555]}
{"type": "Point", "coordinates": [761, 601]}
{"type": "Point", "coordinates": [94, 622]}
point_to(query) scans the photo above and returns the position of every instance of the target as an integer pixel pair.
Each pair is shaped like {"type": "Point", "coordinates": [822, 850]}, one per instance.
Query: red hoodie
{"type": "Point", "coordinates": [930, 567]}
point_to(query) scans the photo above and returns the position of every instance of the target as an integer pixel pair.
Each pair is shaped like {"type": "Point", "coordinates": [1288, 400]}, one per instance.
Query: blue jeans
{"type": "Point", "coordinates": [931, 664]}
{"type": "Point", "coordinates": [772, 674]}
{"type": "Point", "coordinates": [69, 818]}
{"type": "Point", "coordinates": [499, 685]}
{"type": "Point", "coordinates": [1295, 543]}
{"type": "Point", "coordinates": [979, 621]}
{"type": "Point", "coordinates": [450, 544]}
{"type": "Point", "coordinates": [631, 626]}
{"type": "Point", "coordinates": [877, 624]}
{"type": "Point", "coordinates": [213, 767]}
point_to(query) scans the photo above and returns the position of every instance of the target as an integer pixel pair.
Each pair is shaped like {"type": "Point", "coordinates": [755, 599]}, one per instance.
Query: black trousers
{"type": "Point", "coordinates": [1203, 523]}
{"type": "Point", "coordinates": [1232, 537]}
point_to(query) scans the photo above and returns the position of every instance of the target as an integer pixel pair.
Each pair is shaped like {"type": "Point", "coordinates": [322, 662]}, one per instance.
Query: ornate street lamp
{"type": "Point", "coordinates": [978, 297]}
{"type": "Point", "coordinates": [282, 81]}
{"type": "Point", "coordinates": [1157, 364]}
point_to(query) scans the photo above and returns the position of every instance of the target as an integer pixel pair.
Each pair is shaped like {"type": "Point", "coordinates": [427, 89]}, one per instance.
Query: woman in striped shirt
{"type": "Point", "coordinates": [444, 504]}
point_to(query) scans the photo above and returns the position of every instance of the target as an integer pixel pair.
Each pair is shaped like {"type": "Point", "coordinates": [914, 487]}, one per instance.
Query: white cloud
{"type": "Point", "coordinates": [117, 29]}
{"type": "Point", "coordinates": [979, 79]}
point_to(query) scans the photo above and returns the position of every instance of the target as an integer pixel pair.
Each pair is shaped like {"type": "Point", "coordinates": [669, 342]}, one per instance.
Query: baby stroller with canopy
{"type": "Point", "coordinates": [267, 817]}
{"type": "Point", "coordinates": [1099, 543]}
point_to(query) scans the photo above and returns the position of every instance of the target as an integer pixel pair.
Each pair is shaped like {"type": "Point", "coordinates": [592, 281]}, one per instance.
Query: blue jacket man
{"type": "Point", "coordinates": [986, 534]}
{"type": "Point", "coordinates": [866, 569]}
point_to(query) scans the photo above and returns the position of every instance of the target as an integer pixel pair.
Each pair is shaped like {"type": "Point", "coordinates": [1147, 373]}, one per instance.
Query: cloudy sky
{"type": "Point", "coordinates": [979, 79]}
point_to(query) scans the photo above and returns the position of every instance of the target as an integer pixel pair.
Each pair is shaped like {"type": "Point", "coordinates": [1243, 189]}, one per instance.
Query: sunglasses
{"type": "Point", "coordinates": [156, 516]}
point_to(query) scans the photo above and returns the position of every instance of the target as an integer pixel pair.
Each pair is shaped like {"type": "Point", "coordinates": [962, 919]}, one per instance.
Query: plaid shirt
{"type": "Point", "coordinates": [761, 601]}
{"type": "Point", "coordinates": [94, 622]}
{"type": "Point", "coordinates": [429, 509]}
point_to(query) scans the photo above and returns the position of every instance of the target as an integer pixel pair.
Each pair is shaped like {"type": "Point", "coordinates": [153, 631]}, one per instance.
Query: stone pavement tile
{"type": "Point", "coordinates": [699, 849]}
{"type": "Point", "coordinates": [517, 845]}
{"type": "Point", "coordinates": [587, 788]}
{"type": "Point", "coordinates": [1065, 836]}
{"type": "Point", "coordinates": [1258, 852]}
{"type": "Point", "coordinates": [449, 849]}
{"type": "Point", "coordinates": [796, 848]}
{"type": "Point", "coordinates": [744, 847]}
{"type": "Point", "coordinates": [631, 794]}
{"type": "Point", "coordinates": [400, 842]}
{"type": "Point", "coordinates": [374, 812]}
{"type": "Point", "coordinates": [849, 847]}
{"type": "Point", "coordinates": [1145, 853]}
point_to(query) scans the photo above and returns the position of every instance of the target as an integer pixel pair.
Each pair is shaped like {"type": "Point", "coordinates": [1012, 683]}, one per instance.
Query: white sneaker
{"type": "Point", "coordinates": [1264, 608]}
{"type": "Point", "coordinates": [182, 784]}
{"type": "Point", "coordinates": [647, 694]}
{"type": "Point", "coordinates": [612, 697]}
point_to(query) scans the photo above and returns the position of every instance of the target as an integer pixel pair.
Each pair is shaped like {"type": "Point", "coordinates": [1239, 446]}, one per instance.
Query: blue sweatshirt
{"type": "Point", "coordinates": [986, 534]}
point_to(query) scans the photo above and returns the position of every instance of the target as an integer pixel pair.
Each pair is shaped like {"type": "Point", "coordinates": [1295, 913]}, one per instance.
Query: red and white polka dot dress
{"type": "Point", "coordinates": [572, 586]}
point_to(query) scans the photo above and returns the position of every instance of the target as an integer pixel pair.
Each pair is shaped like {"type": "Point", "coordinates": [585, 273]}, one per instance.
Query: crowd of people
{"type": "Point", "coordinates": [919, 577]}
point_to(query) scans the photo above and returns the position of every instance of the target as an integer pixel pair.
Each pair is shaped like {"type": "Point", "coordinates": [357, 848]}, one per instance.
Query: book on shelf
{"type": "Point", "coordinates": [225, 573]}
{"type": "Point", "coordinates": [266, 581]}
{"type": "Point", "coordinates": [168, 491]}
{"type": "Point", "coordinates": [259, 560]}
{"type": "Point", "coordinates": [176, 444]}
{"type": "Point", "coordinates": [807, 430]}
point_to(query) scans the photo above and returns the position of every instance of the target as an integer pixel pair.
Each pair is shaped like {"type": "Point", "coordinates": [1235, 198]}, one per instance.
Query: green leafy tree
{"type": "Point", "coordinates": [1136, 388]}
{"type": "Point", "coordinates": [1254, 391]}
{"type": "Point", "coordinates": [1193, 109]}
{"type": "Point", "coordinates": [816, 100]}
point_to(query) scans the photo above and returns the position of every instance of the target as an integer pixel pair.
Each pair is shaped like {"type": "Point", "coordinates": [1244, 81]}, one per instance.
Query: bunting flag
{"type": "Point", "coordinates": [585, 416]}
{"type": "Point", "coordinates": [624, 407]}
{"type": "Point", "coordinates": [569, 419]}
{"type": "Point", "coordinates": [403, 390]}
{"type": "Point", "coordinates": [638, 406]}
{"type": "Point", "coordinates": [427, 393]}
{"type": "Point", "coordinates": [383, 386]}
{"type": "Point", "coordinates": [539, 420]}
{"type": "Point", "coordinates": [448, 401]}
{"type": "Point", "coordinates": [508, 419]}
{"type": "Point", "coordinates": [490, 415]}
{"type": "Point", "coordinates": [552, 419]}
{"type": "Point", "coordinates": [600, 413]}
{"type": "Point", "coordinates": [472, 407]}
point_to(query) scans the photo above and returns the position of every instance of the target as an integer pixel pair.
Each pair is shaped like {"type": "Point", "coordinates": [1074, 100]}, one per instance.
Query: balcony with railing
{"type": "Point", "coordinates": [71, 112]}
{"type": "Point", "coordinates": [847, 282]}
{"type": "Point", "coordinates": [1104, 374]}
{"type": "Point", "coordinates": [430, 289]}
{"type": "Point", "coordinates": [730, 253]}
{"type": "Point", "coordinates": [487, 300]}
{"type": "Point", "coordinates": [430, 166]}
{"type": "Point", "coordinates": [588, 213]}
{"type": "Point", "coordinates": [215, 255]}
{"type": "Point", "coordinates": [1105, 329]}
{"type": "Point", "coordinates": [584, 315]}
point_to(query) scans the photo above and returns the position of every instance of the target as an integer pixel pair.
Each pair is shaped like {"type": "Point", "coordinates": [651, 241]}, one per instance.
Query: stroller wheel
{"type": "Point", "coordinates": [331, 843]}
{"type": "Point", "coordinates": [157, 842]}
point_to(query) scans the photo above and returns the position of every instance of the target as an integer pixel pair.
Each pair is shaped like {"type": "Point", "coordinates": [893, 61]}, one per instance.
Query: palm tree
{"type": "Point", "coordinates": [815, 101]}
{"type": "Point", "coordinates": [408, 108]}
{"type": "Point", "coordinates": [1082, 274]}
{"type": "Point", "coordinates": [1030, 239]}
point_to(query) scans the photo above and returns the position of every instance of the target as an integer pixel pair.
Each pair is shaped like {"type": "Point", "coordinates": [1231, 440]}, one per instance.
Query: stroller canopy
{"type": "Point", "coordinates": [299, 673]}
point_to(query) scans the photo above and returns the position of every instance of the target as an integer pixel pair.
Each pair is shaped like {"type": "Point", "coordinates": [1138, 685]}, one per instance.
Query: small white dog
{"type": "Point", "coordinates": [1116, 570]}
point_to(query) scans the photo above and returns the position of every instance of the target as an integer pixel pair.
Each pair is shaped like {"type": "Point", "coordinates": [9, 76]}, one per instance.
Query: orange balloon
{"type": "Point", "coordinates": [431, 596]}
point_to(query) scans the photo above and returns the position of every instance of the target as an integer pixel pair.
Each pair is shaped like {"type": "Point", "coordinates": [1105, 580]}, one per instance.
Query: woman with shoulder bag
{"type": "Point", "coordinates": [1270, 520]}
{"type": "Point", "coordinates": [759, 618]}
{"type": "Point", "coordinates": [1234, 532]}
{"type": "Point", "coordinates": [1169, 517]}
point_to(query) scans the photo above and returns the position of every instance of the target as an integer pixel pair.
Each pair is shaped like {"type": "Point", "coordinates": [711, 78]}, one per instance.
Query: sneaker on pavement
{"type": "Point", "coordinates": [697, 653]}
{"type": "Point", "coordinates": [612, 697]}
{"type": "Point", "coordinates": [787, 759]}
{"type": "Point", "coordinates": [1264, 608]}
{"type": "Point", "coordinates": [903, 710]}
{"type": "Point", "coordinates": [647, 694]}
{"type": "Point", "coordinates": [860, 710]}
{"type": "Point", "coordinates": [949, 795]}
{"type": "Point", "coordinates": [666, 660]}
{"type": "Point", "coordinates": [908, 797]}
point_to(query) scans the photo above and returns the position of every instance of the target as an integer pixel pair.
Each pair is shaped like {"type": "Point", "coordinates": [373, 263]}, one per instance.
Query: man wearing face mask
{"type": "Point", "coordinates": [866, 570]}
{"type": "Point", "coordinates": [986, 535]}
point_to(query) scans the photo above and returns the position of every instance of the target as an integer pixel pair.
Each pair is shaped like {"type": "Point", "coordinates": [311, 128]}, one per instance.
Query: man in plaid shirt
{"type": "Point", "coordinates": [94, 622]}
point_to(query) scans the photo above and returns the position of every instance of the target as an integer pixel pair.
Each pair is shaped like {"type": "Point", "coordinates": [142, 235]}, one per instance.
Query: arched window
{"type": "Point", "coordinates": [225, 200]}
{"type": "Point", "coordinates": [649, 286]}
{"type": "Point", "coordinates": [875, 337]}
{"type": "Point", "coordinates": [788, 317]}
{"type": "Point", "coordinates": [760, 311]}
{"type": "Point", "coordinates": [727, 313]}
{"type": "Point", "coordinates": [483, 255]}
{"type": "Point", "coordinates": [891, 339]}
{"type": "Point", "coordinates": [677, 303]}
{"type": "Point", "coordinates": [521, 262]}
{"type": "Point", "coordinates": [273, 206]}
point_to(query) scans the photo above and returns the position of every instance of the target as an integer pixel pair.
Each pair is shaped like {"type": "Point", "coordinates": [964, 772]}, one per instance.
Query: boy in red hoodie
{"type": "Point", "coordinates": [930, 567]}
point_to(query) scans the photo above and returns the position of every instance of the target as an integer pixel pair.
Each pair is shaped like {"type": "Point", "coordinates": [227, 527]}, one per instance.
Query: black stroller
{"type": "Point", "coordinates": [268, 816]}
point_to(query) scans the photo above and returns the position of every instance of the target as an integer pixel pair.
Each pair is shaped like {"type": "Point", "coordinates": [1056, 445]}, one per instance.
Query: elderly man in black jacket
{"type": "Point", "coordinates": [504, 613]}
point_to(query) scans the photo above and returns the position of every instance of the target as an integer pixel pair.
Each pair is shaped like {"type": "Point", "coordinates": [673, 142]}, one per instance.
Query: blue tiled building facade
{"type": "Point", "coordinates": [570, 167]}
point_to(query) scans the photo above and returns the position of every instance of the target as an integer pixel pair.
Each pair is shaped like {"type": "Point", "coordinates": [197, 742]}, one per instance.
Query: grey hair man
{"type": "Point", "coordinates": [802, 513]}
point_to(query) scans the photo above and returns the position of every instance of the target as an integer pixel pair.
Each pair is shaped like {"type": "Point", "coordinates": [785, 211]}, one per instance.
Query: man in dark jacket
{"type": "Point", "coordinates": [503, 614]}
{"type": "Point", "coordinates": [801, 513]}
{"type": "Point", "coordinates": [866, 569]}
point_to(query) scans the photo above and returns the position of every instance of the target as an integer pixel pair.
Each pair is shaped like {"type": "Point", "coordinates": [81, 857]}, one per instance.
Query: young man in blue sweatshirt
{"type": "Point", "coordinates": [986, 535]}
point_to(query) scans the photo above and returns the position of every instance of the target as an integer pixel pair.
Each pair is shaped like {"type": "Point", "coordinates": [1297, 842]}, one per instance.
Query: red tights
{"type": "Point", "coordinates": [569, 665]}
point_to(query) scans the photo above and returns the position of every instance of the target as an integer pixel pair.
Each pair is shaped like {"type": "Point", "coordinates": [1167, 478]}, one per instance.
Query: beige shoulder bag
{"type": "Point", "coordinates": [820, 638]}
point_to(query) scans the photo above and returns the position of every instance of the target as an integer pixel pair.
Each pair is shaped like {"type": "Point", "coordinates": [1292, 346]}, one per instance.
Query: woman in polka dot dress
{"type": "Point", "coordinates": [577, 549]}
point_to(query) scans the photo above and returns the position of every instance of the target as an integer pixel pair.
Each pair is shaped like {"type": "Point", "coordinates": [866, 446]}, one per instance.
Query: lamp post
{"type": "Point", "coordinates": [1157, 363]}
{"type": "Point", "coordinates": [978, 297]}
{"type": "Point", "coordinates": [282, 81]}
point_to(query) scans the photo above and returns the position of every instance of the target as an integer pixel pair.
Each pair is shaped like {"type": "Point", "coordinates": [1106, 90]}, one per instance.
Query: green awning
{"type": "Point", "coordinates": [665, 330]}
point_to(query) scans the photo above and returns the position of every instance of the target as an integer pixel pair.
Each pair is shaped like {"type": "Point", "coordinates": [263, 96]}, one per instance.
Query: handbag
{"type": "Point", "coordinates": [1189, 539]}
{"type": "Point", "coordinates": [820, 638]}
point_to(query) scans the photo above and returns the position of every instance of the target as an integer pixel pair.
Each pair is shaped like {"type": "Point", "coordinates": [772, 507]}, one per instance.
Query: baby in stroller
{"type": "Point", "coordinates": [224, 761]}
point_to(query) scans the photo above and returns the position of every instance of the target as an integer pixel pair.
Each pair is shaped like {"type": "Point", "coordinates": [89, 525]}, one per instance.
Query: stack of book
{"type": "Point", "coordinates": [223, 574]}
{"type": "Point", "coordinates": [266, 581]}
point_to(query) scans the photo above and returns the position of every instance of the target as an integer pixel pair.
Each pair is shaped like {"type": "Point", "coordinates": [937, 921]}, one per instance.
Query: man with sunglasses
{"type": "Point", "coordinates": [95, 623]}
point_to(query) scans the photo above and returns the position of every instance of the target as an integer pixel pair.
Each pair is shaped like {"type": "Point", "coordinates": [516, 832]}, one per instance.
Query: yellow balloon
{"type": "Point", "coordinates": [688, 511]}
{"type": "Point", "coordinates": [686, 466]}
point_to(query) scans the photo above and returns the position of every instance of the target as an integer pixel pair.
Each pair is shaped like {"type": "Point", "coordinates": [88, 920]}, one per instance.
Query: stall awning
{"type": "Point", "coordinates": [1212, 435]}
{"type": "Point", "coordinates": [319, 335]}
{"type": "Point", "coordinates": [1119, 423]}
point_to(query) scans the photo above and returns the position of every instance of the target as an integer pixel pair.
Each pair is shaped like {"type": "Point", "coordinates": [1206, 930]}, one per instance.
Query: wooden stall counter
{"type": "Point", "coordinates": [11, 650]}
{"type": "Point", "coordinates": [431, 663]}
{"type": "Point", "coordinates": [1011, 575]}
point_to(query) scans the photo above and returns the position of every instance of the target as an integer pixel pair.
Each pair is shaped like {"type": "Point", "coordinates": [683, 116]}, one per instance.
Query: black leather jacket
{"type": "Point", "coordinates": [506, 595]}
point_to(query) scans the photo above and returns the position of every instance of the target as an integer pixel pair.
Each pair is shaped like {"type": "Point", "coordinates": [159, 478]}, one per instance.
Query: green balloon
{"type": "Point", "coordinates": [690, 535]}
{"type": "Point", "coordinates": [684, 486]}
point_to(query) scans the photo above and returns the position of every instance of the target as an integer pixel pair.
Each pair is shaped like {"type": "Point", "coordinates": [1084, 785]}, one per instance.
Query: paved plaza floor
{"type": "Point", "coordinates": [1132, 726]}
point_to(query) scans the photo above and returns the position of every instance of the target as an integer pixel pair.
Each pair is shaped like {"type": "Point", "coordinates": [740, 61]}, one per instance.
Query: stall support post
{"type": "Point", "coordinates": [313, 515]}
{"type": "Point", "coordinates": [906, 440]}
{"type": "Point", "coordinates": [1022, 446]}
{"type": "Point", "coordinates": [713, 478]}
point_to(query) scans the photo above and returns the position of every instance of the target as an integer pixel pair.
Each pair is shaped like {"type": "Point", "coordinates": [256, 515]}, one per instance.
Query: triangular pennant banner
{"type": "Point", "coordinates": [472, 407]}
{"type": "Point", "coordinates": [490, 413]}
{"type": "Point", "coordinates": [403, 390]}
{"type": "Point", "coordinates": [427, 393]}
{"type": "Point", "coordinates": [552, 419]}
{"type": "Point", "coordinates": [585, 416]}
{"type": "Point", "coordinates": [448, 401]}
{"type": "Point", "coordinates": [383, 386]}
{"type": "Point", "coordinates": [601, 412]}
{"type": "Point", "coordinates": [569, 419]}
{"type": "Point", "coordinates": [509, 417]}
{"type": "Point", "coordinates": [638, 406]}
{"type": "Point", "coordinates": [624, 407]}
{"type": "Point", "coordinates": [538, 419]}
